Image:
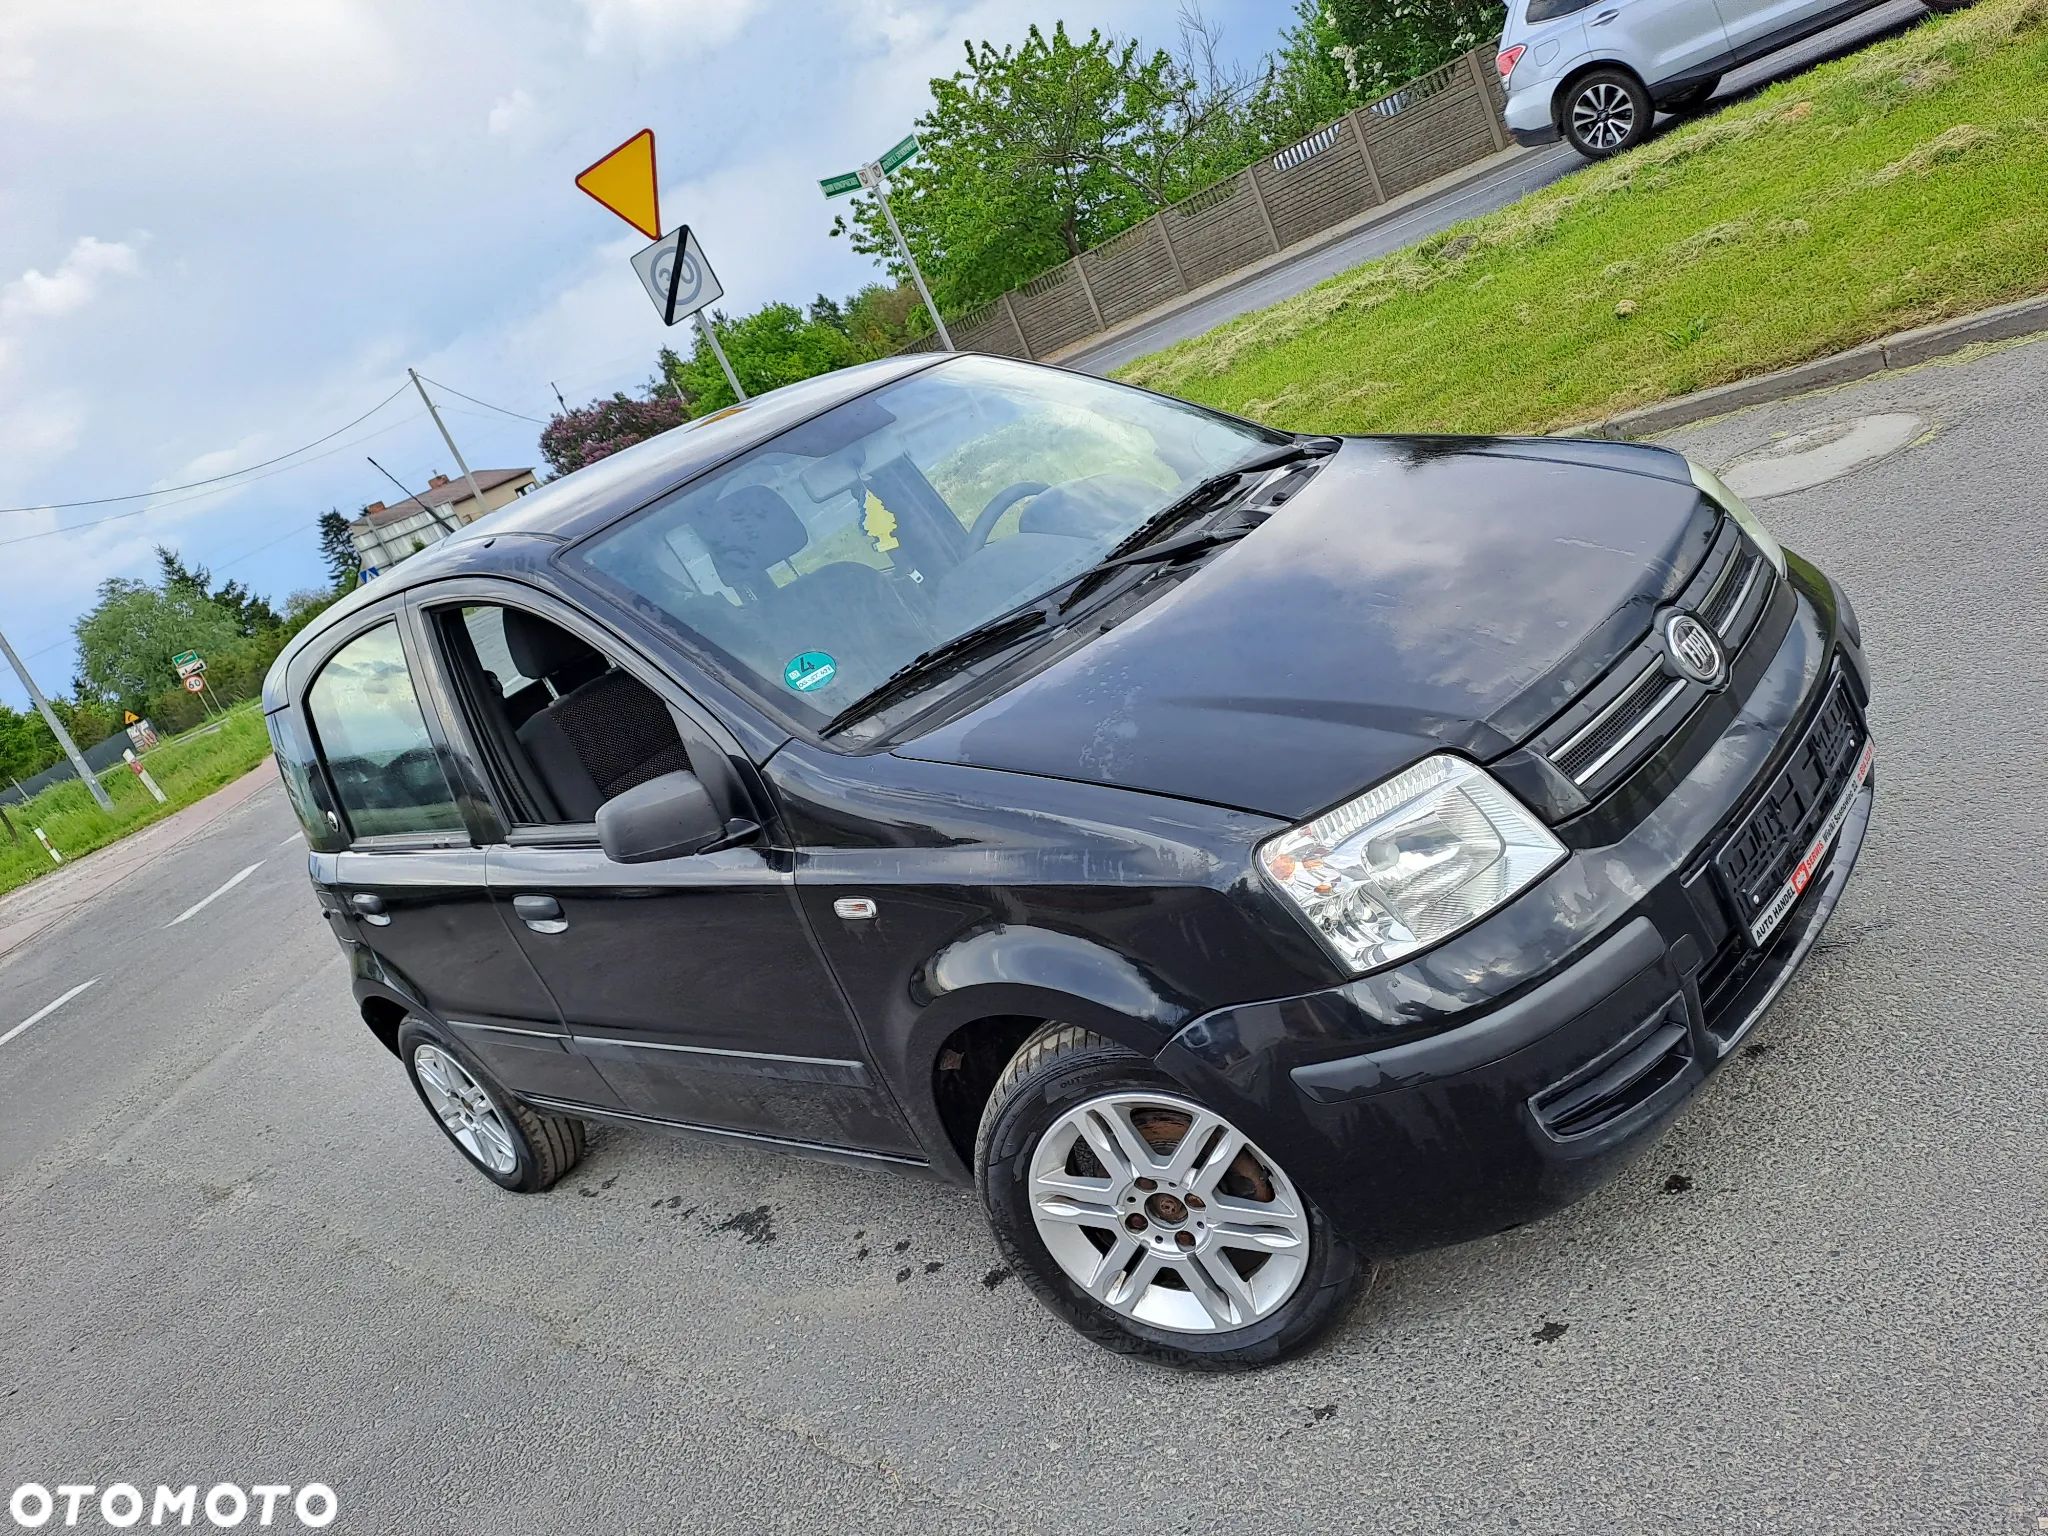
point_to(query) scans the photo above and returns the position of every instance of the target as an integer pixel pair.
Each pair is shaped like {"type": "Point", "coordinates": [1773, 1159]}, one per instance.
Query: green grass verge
{"type": "Point", "coordinates": [1889, 189]}
{"type": "Point", "coordinates": [188, 768]}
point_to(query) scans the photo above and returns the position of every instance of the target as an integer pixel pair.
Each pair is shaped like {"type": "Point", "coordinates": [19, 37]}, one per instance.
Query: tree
{"type": "Point", "coordinates": [1306, 86]}
{"type": "Point", "coordinates": [128, 637]}
{"type": "Point", "coordinates": [338, 550]}
{"type": "Point", "coordinates": [1381, 44]}
{"type": "Point", "coordinates": [252, 614]}
{"type": "Point", "coordinates": [773, 346]}
{"type": "Point", "coordinates": [26, 745]}
{"type": "Point", "coordinates": [883, 318]}
{"type": "Point", "coordinates": [826, 310]}
{"type": "Point", "coordinates": [574, 438]}
{"type": "Point", "coordinates": [305, 605]}
{"type": "Point", "coordinates": [1037, 151]}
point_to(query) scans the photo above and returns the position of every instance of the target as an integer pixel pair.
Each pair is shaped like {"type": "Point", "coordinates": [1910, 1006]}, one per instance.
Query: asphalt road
{"type": "Point", "coordinates": [232, 1246]}
{"type": "Point", "coordinates": [1495, 189]}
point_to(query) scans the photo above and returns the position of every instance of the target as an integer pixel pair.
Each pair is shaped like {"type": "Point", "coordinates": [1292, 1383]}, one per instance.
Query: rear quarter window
{"type": "Point", "coordinates": [373, 738]}
{"type": "Point", "coordinates": [1550, 10]}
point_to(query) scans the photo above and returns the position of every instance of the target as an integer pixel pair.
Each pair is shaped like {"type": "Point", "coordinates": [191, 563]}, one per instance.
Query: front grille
{"type": "Point", "coordinates": [1623, 718]}
{"type": "Point", "coordinates": [1731, 590]}
{"type": "Point", "coordinates": [1611, 731]}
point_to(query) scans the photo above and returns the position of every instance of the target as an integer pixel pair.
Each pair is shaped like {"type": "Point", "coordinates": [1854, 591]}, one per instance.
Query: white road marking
{"type": "Point", "coordinates": [292, 839]}
{"type": "Point", "coordinates": [206, 901]}
{"type": "Point", "coordinates": [45, 1011]}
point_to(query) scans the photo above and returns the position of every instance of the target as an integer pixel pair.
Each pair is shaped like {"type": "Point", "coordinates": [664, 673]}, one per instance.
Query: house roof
{"type": "Point", "coordinates": [445, 494]}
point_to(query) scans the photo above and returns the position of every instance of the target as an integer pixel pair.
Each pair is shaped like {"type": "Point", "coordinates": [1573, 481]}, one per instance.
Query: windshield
{"type": "Point", "coordinates": [816, 565]}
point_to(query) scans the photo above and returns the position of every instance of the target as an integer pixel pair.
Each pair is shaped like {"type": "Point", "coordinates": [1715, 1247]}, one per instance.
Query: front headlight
{"type": "Point", "coordinates": [1710, 486]}
{"type": "Point", "coordinates": [1432, 850]}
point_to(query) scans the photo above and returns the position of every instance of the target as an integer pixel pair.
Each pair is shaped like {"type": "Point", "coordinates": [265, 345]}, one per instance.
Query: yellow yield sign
{"type": "Point", "coordinates": [624, 182]}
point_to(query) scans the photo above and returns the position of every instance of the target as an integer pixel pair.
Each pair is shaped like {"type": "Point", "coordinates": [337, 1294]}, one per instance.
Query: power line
{"type": "Point", "coordinates": [210, 565]}
{"type": "Point", "coordinates": [163, 490]}
{"type": "Point", "coordinates": [50, 533]}
{"type": "Point", "coordinates": [472, 399]}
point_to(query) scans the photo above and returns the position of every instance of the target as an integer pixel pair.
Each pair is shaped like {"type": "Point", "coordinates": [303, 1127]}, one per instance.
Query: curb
{"type": "Point", "coordinates": [2027, 317]}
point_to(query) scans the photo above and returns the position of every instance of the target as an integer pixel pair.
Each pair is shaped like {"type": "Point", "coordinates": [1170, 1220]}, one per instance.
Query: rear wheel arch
{"type": "Point", "coordinates": [384, 1016]}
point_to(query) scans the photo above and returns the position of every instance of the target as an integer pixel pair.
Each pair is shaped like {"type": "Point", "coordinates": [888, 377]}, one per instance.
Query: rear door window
{"type": "Point", "coordinates": [373, 735]}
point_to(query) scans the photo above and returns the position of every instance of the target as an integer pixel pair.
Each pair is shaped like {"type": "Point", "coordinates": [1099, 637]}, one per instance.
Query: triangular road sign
{"type": "Point", "coordinates": [624, 182]}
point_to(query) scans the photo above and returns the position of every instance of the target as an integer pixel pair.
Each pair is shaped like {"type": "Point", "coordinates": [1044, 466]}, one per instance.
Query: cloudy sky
{"type": "Point", "coordinates": [227, 227]}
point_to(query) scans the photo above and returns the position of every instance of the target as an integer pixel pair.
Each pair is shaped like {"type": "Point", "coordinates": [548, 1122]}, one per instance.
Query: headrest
{"type": "Point", "coordinates": [747, 530]}
{"type": "Point", "coordinates": [540, 649]}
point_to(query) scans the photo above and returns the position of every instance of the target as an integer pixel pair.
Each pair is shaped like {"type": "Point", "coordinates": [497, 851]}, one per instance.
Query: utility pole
{"type": "Point", "coordinates": [447, 525]}
{"type": "Point", "coordinates": [92, 782]}
{"type": "Point", "coordinates": [711, 340]}
{"type": "Point", "coordinates": [558, 396]}
{"type": "Point", "coordinates": [476, 496]}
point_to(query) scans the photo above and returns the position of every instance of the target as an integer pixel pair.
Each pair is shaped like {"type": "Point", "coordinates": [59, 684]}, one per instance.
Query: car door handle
{"type": "Point", "coordinates": [369, 908]}
{"type": "Point", "coordinates": [543, 914]}
{"type": "Point", "coordinates": [1603, 18]}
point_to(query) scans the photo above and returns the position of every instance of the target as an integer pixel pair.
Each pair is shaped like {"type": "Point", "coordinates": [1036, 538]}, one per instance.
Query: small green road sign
{"type": "Point", "coordinates": [839, 186]}
{"type": "Point", "coordinates": [184, 656]}
{"type": "Point", "coordinates": [903, 150]}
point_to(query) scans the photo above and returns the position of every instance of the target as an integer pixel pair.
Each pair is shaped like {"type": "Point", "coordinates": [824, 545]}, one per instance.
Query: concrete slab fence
{"type": "Point", "coordinates": [1430, 127]}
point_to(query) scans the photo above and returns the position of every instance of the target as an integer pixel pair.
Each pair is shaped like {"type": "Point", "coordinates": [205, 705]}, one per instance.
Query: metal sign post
{"type": "Point", "coordinates": [711, 340]}
{"type": "Point", "coordinates": [874, 176]}
{"type": "Point", "coordinates": [679, 279]}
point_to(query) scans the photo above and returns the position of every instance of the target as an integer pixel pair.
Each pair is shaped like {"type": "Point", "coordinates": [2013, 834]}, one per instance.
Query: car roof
{"type": "Point", "coordinates": [595, 495]}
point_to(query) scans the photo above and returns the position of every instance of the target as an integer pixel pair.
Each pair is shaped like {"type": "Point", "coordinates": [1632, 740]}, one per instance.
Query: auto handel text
{"type": "Point", "coordinates": [124, 1506]}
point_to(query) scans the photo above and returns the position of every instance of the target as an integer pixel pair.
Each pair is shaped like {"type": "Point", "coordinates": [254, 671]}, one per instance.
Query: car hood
{"type": "Point", "coordinates": [1419, 594]}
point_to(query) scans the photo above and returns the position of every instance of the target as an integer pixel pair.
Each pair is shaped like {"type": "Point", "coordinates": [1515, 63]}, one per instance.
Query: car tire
{"type": "Point", "coordinates": [1075, 1112]}
{"type": "Point", "coordinates": [514, 1146]}
{"type": "Point", "coordinates": [1605, 113]}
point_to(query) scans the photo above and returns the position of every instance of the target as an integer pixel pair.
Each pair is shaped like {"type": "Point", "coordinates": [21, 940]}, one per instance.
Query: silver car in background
{"type": "Point", "coordinates": [1596, 72]}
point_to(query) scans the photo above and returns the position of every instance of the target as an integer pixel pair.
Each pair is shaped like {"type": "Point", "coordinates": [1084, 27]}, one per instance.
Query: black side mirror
{"type": "Point", "coordinates": [666, 818]}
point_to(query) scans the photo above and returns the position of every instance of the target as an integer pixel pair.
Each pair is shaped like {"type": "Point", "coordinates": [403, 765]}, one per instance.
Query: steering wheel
{"type": "Point", "coordinates": [1000, 503]}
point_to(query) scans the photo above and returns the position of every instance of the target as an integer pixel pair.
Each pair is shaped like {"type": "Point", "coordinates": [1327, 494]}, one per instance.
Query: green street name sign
{"type": "Point", "coordinates": [839, 186]}
{"type": "Point", "coordinates": [903, 150]}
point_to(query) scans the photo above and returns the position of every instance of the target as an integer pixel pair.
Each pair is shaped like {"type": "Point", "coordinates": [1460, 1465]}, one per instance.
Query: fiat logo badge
{"type": "Point", "coordinates": [1693, 651]}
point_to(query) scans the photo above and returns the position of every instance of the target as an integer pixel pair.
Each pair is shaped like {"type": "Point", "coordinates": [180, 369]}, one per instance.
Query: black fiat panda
{"type": "Point", "coordinates": [1238, 853]}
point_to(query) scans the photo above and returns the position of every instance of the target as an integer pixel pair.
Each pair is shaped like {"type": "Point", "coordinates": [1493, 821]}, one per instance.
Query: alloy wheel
{"type": "Point", "coordinates": [1166, 1213]}
{"type": "Point", "coordinates": [465, 1110]}
{"type": "Point", "coordinates": [1604, 115]}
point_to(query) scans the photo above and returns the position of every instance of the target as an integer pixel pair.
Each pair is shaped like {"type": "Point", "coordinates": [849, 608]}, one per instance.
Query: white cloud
{"type": "Point", "coordinates": [33, 431]}
{"type": "Point", "coordinates": [41, 295]}
{"type": "Point", "coordinates": [665, 28]}
{"type": "Point", "coordinates": [509, 114]}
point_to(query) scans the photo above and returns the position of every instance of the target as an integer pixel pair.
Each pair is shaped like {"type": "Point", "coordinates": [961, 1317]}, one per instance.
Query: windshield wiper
{"type": "Point", "coordinates": [1149, 541]}
{"type": "Point", "coordinates": [996, 634]}
{"type": "Point", "coordinates": [1145, 543]}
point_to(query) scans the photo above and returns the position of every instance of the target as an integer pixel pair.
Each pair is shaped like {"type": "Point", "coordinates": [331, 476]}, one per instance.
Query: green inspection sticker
{"type": "Point", "coordinates": [810, 671]}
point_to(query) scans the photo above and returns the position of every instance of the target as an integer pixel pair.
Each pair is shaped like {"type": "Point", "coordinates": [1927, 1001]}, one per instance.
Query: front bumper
{"type": "Point", "coordinates": [1540, 1049]}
